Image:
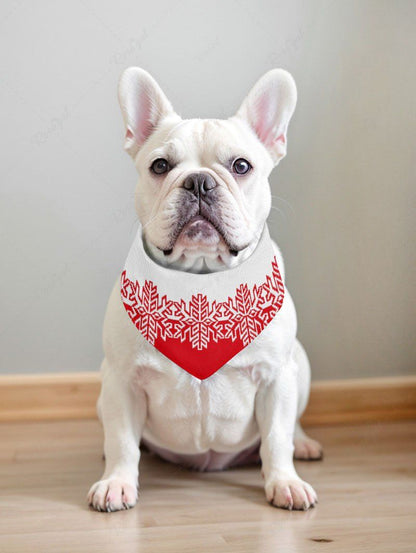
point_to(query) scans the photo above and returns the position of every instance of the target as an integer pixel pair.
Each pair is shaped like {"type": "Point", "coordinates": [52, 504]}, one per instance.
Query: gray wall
{"type": "Point", "coordinates": [343, 197]}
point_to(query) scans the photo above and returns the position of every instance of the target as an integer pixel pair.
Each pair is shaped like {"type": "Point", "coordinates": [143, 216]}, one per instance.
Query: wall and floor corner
{"type": "Point", "coordinates": [39, 397]}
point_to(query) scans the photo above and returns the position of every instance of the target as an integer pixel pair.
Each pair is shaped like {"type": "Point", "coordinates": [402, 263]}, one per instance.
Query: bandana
{"type": "Point", "coordinates": [201, 321]}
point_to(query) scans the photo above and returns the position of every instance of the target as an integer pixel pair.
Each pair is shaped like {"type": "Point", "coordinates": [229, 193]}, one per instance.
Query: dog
{"type": "Point", "coordinates": [146, 399]}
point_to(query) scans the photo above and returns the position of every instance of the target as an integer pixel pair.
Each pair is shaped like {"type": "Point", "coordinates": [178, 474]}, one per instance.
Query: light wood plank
{"type": "Point", "coordinates": [366, 486]}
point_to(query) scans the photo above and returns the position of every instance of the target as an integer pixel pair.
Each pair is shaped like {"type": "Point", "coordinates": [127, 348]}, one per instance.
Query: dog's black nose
{"type": "Point", "coordinates": [199, 183]}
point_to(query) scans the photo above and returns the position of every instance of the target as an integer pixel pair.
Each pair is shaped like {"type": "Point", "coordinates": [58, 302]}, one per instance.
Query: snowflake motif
{"type": "Point", "coordinates": [149, 312]}
{"type": "Point", "coordinates": [200, 321]}
{"type": "Point", "coordinates": [243, 313]}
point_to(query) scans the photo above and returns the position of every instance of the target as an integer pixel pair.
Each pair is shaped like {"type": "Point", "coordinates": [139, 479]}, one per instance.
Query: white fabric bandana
{"type": "Point", "coordinates": [200, 321]}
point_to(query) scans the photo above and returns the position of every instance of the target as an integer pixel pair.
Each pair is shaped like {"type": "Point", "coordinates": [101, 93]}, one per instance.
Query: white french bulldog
{"type": "Point", "coordinates": [145, 397]}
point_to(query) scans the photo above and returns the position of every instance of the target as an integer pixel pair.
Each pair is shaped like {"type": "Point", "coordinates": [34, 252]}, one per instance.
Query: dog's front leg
{"type": "Point", "coordinates": [276, 406]}
{"type": "Point", "coordinates": [123, 414]}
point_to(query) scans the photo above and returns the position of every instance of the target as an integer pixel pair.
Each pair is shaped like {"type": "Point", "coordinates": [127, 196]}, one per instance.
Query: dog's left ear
{"type": "Point", "coordinates": [268, 108]}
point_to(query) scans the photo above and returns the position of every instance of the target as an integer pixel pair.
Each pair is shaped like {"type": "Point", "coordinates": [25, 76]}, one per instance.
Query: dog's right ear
{"type": "Point", "coordinates": [143, 105]}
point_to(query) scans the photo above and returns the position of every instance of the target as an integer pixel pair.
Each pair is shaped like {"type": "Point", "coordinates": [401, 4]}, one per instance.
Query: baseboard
{"type": "Point", "coordinates": [73, 396]}
{"type": "Point", "coordinates": [48, 396]}
{"type": "Point", "coordinates": [361, 400]}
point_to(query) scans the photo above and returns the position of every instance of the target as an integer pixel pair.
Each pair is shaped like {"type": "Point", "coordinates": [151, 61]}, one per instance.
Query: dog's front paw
{"type": "Point", "coordinates": [290, 494]}
{"type": "Point", "coordinates": [112, 494]}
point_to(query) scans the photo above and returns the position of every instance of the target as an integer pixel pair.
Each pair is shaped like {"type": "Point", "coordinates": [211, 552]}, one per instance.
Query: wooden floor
{"type": "Point", "coordinates": [366, 487]}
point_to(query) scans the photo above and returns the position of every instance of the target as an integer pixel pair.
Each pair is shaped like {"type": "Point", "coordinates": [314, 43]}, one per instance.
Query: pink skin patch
{"type": "Point", "coordinates": [265, 120]}
{"type": "Point", "coordinates": [142, 126]}
{"type": "Point", "coordinates": [281, 138]}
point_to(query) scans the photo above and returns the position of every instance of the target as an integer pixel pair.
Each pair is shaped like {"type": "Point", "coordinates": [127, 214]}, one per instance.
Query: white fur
{"type": "Point", "coordinates": [261, 393]}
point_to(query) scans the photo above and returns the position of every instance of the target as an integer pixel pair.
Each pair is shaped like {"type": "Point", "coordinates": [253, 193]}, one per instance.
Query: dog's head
{"type": "Point", "coordinates": [203, 194]}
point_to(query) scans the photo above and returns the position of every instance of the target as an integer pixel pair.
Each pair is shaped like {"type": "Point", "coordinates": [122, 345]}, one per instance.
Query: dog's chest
{"type": "Point", "coordinates": [189, 415]}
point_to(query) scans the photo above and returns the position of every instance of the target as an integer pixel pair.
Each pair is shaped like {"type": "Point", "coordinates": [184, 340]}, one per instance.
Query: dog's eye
{"type": "Point", "coordinates": [241, 166]}
{"type": "Point", "coordinates": [160, 166]}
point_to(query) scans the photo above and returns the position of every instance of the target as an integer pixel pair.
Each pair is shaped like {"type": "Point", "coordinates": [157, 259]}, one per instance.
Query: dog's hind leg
{"type": "Point", "coordinates": [306, 448]}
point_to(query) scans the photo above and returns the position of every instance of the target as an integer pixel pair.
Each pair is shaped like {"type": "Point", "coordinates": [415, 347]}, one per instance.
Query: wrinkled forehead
{"type": "Point", "coordinates": [203, 141]}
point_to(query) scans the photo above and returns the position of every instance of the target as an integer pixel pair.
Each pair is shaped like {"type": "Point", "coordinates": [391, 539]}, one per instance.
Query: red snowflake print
{"type": "Point", "coordinates": [149, 312]}
{"type": "Point", "coordinates": [243, 313]}
{"type": "Point", "coordinates": [200, 322]}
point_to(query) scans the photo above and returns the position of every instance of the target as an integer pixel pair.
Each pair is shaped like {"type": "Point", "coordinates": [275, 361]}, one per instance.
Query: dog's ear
{"type": "Point", "coordinates": [143, 105]}
{"type": "Point", "coordinates": [268, 108]}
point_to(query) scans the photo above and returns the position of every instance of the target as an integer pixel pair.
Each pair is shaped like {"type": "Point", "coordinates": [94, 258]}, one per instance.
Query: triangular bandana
{"type": "Point", "coordinates": [200, 321]}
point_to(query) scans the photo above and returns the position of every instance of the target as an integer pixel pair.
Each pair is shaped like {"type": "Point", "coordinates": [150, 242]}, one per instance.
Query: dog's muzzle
{"type": "Point", "coordinates": [202, 201]}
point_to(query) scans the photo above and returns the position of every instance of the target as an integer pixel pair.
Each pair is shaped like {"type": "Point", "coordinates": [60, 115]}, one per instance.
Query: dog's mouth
{"type": "Point", "coordinates": [200, 232]}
